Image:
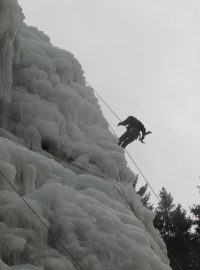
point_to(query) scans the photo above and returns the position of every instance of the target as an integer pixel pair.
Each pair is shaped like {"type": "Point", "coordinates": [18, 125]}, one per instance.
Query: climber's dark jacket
{"type": "Point", "coordinates": [132, 122]}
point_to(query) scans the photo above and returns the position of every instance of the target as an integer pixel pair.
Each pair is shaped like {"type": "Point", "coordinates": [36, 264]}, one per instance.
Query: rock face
{"type": "Point", "coordinates": [57, 153]}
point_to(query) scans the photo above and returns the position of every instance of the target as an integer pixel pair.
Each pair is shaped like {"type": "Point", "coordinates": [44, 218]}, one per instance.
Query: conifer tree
{"type": "Point", "coordinates": [195, 210]}
{"type": "Point", "coordinates": [174, 226]}
{"type": "Point", "coordinates": [164, 214]}
{"type": "Point", "coordinates": [179, 243]}
{"type": "Point", "coordinates": [145, 197]}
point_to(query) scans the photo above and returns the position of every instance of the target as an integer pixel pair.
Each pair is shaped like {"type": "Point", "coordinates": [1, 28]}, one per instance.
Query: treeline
{"type": "Point", "coordinates": [180, 232]}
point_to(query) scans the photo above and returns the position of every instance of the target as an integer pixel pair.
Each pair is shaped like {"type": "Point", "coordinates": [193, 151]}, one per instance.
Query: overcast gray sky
{"type": "Point", "coordinates": [143, 58]}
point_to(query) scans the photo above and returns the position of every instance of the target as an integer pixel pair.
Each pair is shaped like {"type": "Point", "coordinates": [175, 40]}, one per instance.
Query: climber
{"type": "Point", "coordinates": [134, 130]}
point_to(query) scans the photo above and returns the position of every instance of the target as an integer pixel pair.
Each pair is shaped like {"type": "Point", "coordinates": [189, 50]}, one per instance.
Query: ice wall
{"type": "Point", "coordinates": [57, 152]}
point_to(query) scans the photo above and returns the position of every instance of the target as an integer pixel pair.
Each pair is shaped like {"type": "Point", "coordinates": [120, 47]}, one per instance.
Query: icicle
{"type": "Point", "coordinates": [10, 20]}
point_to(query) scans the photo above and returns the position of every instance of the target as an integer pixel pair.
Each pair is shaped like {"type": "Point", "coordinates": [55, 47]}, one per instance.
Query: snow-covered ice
{"type": "Point", "coordinates": [56, 150]}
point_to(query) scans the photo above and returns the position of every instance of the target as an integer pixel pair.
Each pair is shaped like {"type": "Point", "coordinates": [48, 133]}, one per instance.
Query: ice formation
{"type": "Point", "coordinates": [57, 152]}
